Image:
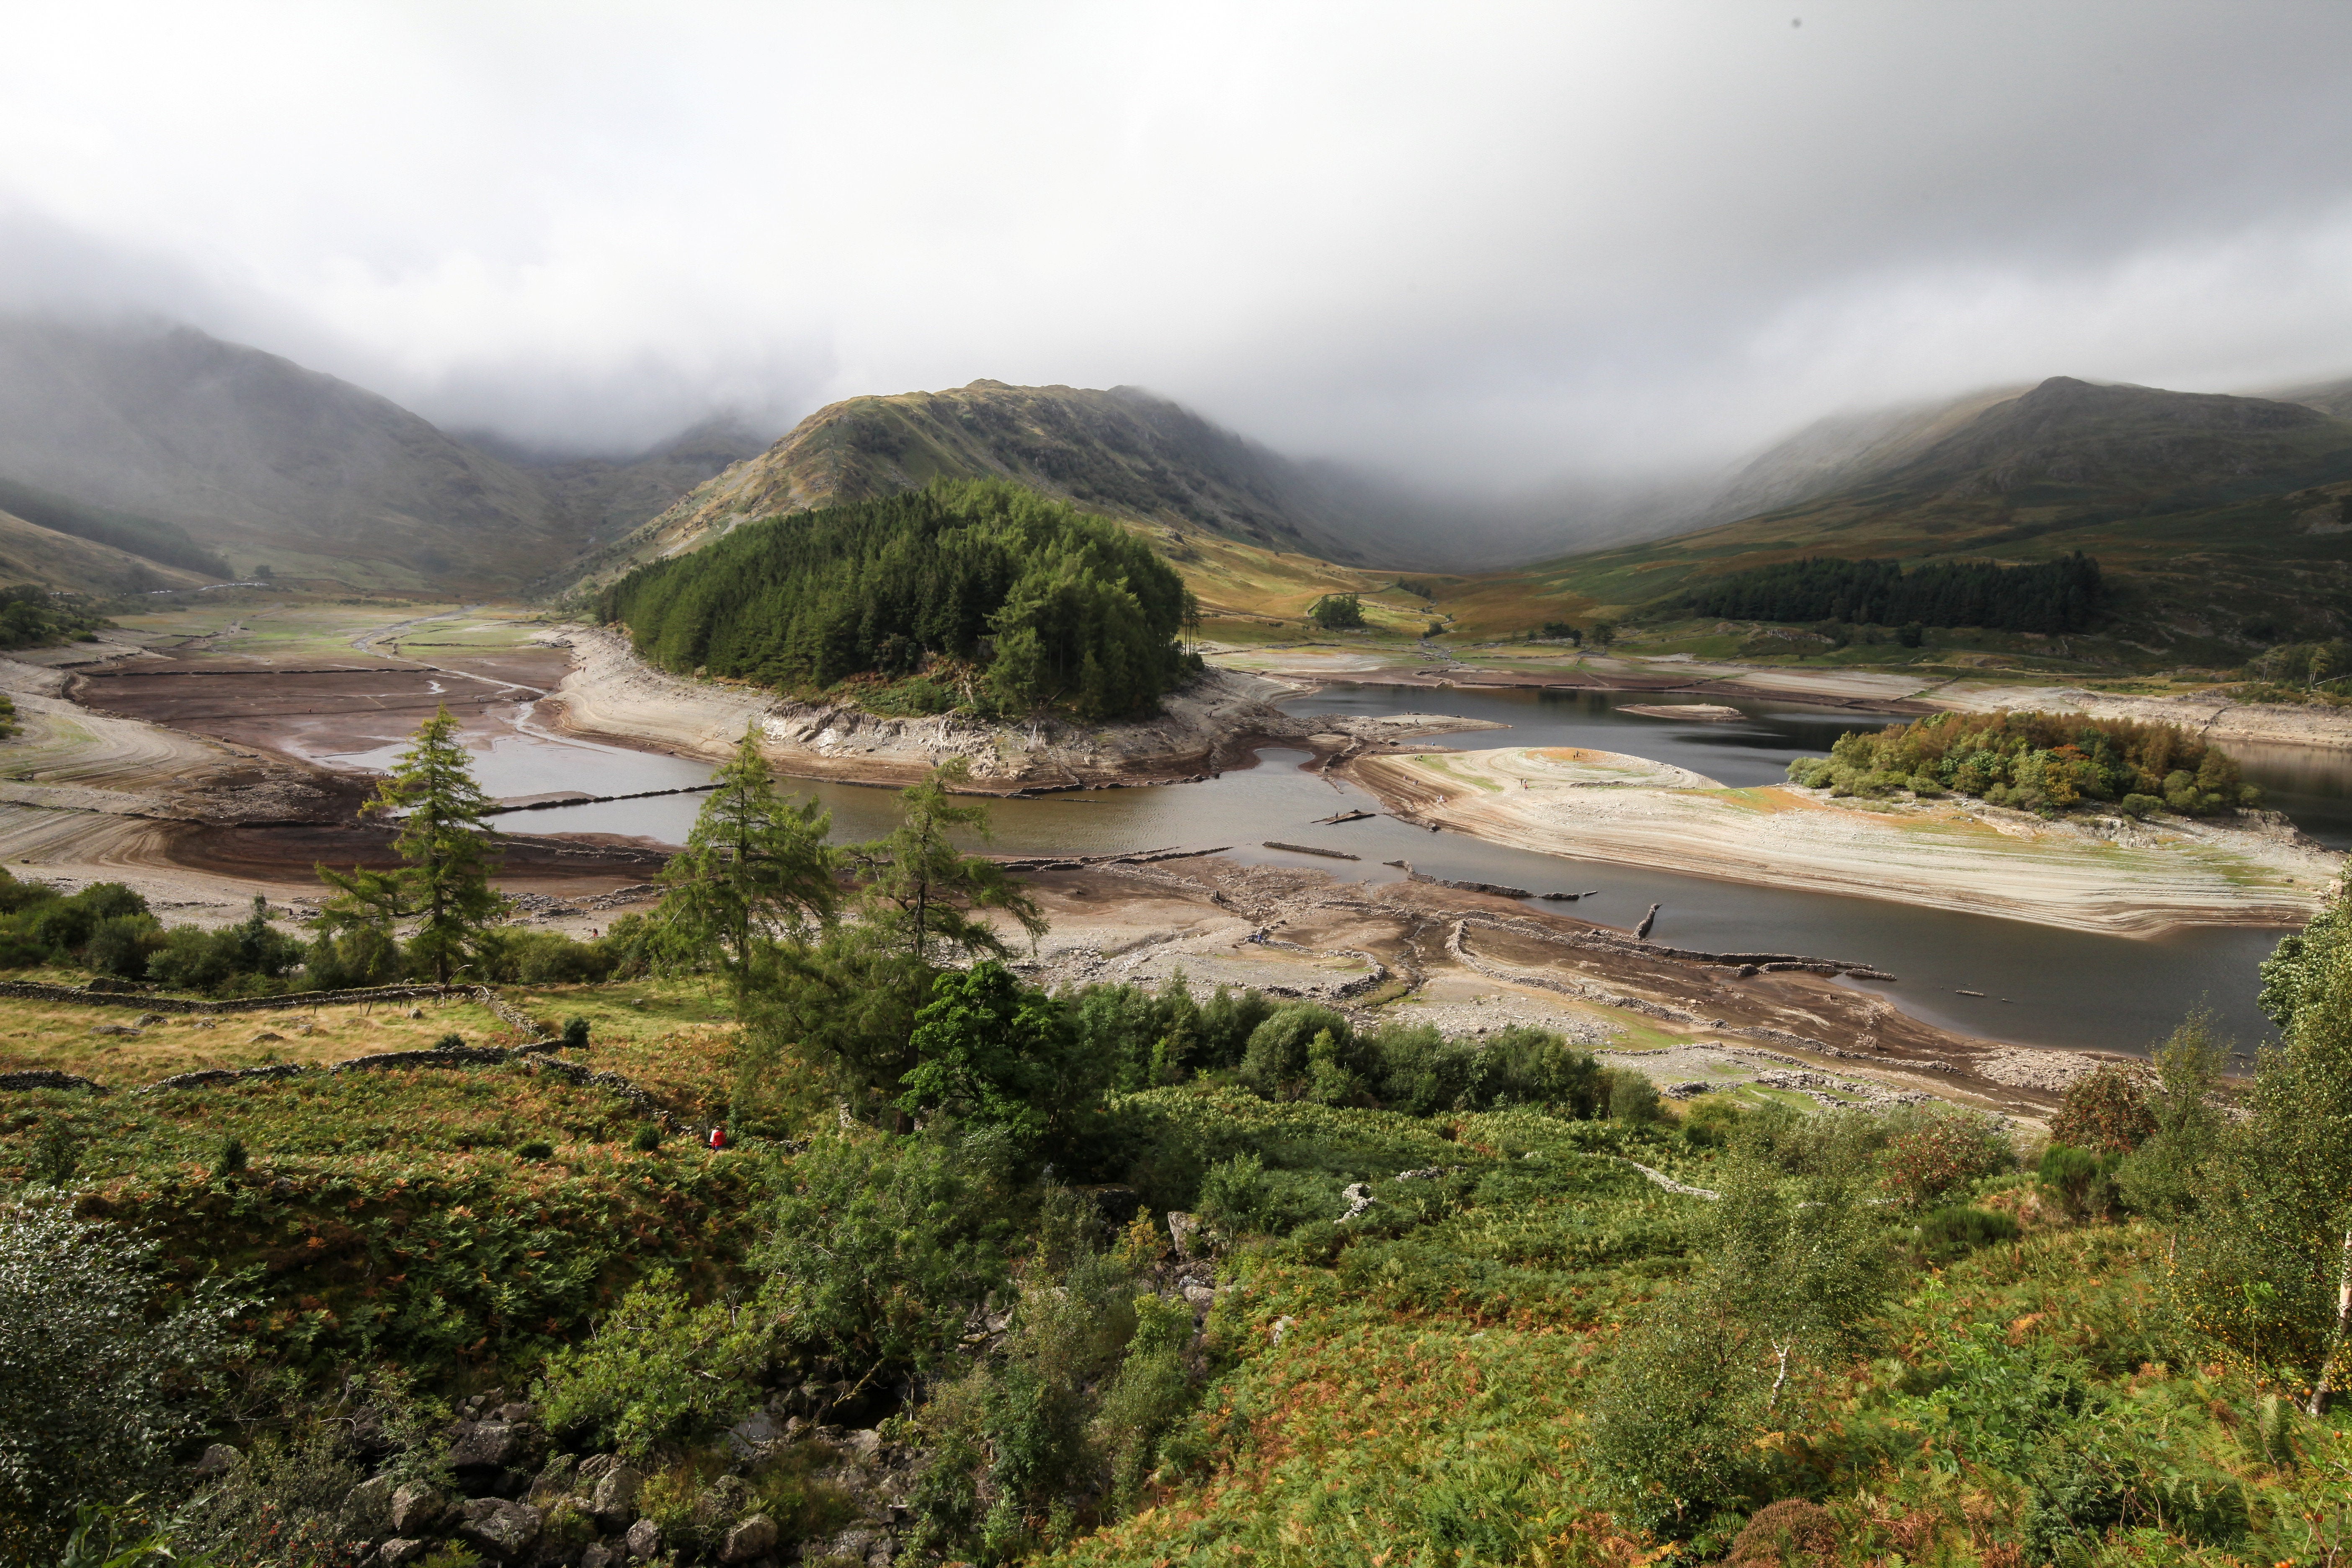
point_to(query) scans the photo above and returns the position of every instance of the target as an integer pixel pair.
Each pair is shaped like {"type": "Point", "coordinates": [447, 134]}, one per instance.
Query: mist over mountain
{"type": "Point", "coordinates": [229, 448]}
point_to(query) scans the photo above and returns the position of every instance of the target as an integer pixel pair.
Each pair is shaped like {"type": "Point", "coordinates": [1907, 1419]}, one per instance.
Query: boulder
{"type": "Point", "coordinates": [1184, 1229]}
{"type": "Point", "coordinates": [367, 1510]}
{"type": "Point", "coordinates": [504, 1530]}
{"type": "Point", "coordinates": [520, 1413]}
{"type": "Point", "coordinates": [755, 1537]}
{"type": "Point", "coordinates": [1200, 1297]}
{"type": "Point", "coordinates": [749, 1437]}
{"type": "Point", "coordinates": [865, 1442]}
{"type": "Point", "coordinates": [393, 1553]}
{"type": "Point", "coordinates": [645, 1540]}
{"type": "Point", "coordinates": [486, 1445]}
{"type": "Point", "coordinates": [216, 1459]}
{"type": "Point", "coordinates": [593, 1467]}
{"type": "Point", "coordinates": [602, 1556]}
{"type": "Point", "coordinates": [416, 1509]}
{"type": "Point", "coordinates": [615, 1498]}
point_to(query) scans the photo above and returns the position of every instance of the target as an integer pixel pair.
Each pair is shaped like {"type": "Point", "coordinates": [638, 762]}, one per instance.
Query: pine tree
{"type": "Point", "coordinates": [756, 871]}
{"type": "Point", "coordinates": [444, 882]}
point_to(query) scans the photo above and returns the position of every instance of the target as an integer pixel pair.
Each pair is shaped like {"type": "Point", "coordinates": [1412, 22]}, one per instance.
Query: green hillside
{"type": "Point", "coordinates": [2217, 521]}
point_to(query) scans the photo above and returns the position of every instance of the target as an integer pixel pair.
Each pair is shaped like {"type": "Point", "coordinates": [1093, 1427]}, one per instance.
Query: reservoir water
{"type": "Point", "coordinates": [2043, 985]}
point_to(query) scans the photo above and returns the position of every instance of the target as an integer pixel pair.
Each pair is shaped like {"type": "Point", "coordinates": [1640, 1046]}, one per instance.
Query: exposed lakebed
{"type": "Point", "coordinates": [2043, 985]}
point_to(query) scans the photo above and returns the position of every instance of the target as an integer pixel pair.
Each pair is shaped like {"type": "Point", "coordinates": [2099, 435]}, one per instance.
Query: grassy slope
{"type": "Point", "coordinates": [1427, 1399]}
{"type": "Point", "coordinates": [2205, 525]}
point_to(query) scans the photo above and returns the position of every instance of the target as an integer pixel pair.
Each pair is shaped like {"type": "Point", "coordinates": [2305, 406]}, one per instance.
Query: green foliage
{"type": "Point", "coordinates": [991, 1051]}
{"type": "Point", "coordinates": [2167, 1174]}
{"type": "Point", "coordinates": [917, 890]}
{"type": "Point", "coordinates": [1945, 1234]}
{"type": "Point", "coordinates": [104, 1365]}
{"type": "Point", "coordinates": [105, 928]}
{"type": "Point", "coordinates": [1062, 609]}
{"type": "Point", "coordinates": [2034, 762]}
{"type": "Point", "coordinates": [34, 616]}
{"type": "Point", "coordinates": [755, 873]}
{"type": "Point", "coordinates": [252, 957]}
{"type": "Point", "coordinates": [2265, 1257]}
{"type": "Point", "coordinates": [1337, 611]}
{"type": "Point", "coordinates": [444, 884]}
{"type": "Point", "coordinates": [2061, 595]}
{"type": "Point", "coordinates": [659, 1370]}
{"type": "Point", "coordinates": [880, 1245]}
{"type": "Point", "coordinates": [1933, 1154]}
{"type": "Point", "coordinates": [2082, 1181]}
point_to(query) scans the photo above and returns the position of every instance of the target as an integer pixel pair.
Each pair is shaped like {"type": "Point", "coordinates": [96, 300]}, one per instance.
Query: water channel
{"type": "Point", "coordinates": [2044, 985]}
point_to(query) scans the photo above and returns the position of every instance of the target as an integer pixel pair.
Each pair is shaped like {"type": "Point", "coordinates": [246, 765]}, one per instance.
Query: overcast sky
{"type": "Point", "coordinates": [1505, 241]}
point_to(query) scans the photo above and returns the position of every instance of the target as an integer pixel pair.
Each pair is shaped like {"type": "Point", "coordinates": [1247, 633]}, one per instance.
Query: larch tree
{"type": "Point", "coordinates": [756, 871]}
{"type": "Point", "coordinates": [447, 855]}
{"type": "Point", "coordinates": [922, 892]}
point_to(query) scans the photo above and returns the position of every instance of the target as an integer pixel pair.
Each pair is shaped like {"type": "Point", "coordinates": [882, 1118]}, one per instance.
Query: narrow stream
{"type": "Point", "coordinates": [2044, 985]}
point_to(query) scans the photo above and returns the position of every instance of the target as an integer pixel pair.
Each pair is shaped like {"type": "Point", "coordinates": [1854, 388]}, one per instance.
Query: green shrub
{"type": "Point", "coordinates": [537, 1149]}
{"type": "Point", "coordinates": [880, 1245]}
{"type": "Point", "coordinates": [647, 1137]}
{"type": "Point", "coordinates": [575, 1032]}
{"type": "Point", "coordinates": [1946, 1234]}
{"type": "Point", "coordinates": [1935, 1152]}
{"type": "Point", "coordinates": [2082, 1180]}
{"type": "Point", "coordinates": [1275, 1063]}
{"type": "Point", "coordinates": [1633, 1098]}
{"type": "Point", "coordinates": [102, 1373]}
{"type": "Point", "coordinates": [660, 1370]}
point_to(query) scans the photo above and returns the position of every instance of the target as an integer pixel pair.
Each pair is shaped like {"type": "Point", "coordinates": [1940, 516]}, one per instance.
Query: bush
{"type": "Point", "coordinates": [647, 1139]}
{"type": "Point", "coordinates": [2142, 806]}
{"type": "Point", "coordinates": [575, 1032]}
{"type": "Point", "coordinates": [247, 958]}
{"type": "Point", "coordinates": [1935, 1153]}
{"type": "Point", "coordinates": [1633, 1098]}
{"type": "Point", "coordinates": [1946, 1234]}
{"type": "Point", "coordinates": [1673, 1419]}
{"type": "Point", "coordinates": [2082, 1180]}
{"type": "Point", "coordinates": [1274, 1063]}
{"type": "Point", "coordinates": [658, 1371]}
{"type": "Point", "coordinates": [102, 1368]}
{"type": "Point", "coordinates": [2104, 1111]}
{"type": "Point", "coordinates": [881, 1246]}
{"type": "Point", "coordinates": [537, 1149]}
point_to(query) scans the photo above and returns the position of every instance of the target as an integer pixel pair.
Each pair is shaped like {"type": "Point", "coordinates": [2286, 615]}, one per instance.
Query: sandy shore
{"type": "Point", "coordinates": [2110, 875]}
{"type": "Point", "coordinates": [610, 692]}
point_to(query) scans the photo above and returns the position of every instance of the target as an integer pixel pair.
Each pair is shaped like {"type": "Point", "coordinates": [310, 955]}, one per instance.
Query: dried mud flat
{"type": "Point", "coordinates": [2099, 874]}
{"type": "Point", "coordinates": [1469, 963]}
{"type": "Point", "coordinates": [192, 790]}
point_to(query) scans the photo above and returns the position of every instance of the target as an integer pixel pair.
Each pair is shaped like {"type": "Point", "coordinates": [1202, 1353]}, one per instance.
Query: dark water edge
{"type": "Point", "coordinates": [2044, 985]}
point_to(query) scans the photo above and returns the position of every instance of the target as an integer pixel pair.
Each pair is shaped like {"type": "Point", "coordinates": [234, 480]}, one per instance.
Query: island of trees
{"type": "Point", "coordinates": [974, 594]}
{"type": "Point", "coordinates": [2035, 762]}
{"type": "Point", "coordinates": [2061, 595]}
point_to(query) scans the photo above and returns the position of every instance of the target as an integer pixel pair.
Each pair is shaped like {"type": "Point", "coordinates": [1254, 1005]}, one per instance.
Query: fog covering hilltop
{"type": "Point", "coordinates": [232, 449]}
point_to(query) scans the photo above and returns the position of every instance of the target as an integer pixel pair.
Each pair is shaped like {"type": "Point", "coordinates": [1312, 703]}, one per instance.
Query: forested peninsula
{"type": "Point", "coordinates": [977, 595]}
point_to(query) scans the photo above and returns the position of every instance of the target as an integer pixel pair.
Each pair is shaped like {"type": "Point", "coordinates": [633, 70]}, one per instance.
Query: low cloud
{"type": "Point", "coordinates": [1490, 247]}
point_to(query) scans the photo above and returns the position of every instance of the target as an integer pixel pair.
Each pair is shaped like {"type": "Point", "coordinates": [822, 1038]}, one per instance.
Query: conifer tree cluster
{"type": "Point", "coordinates": [2061, 595]}
{"type": "Point", "coordinates": [1055, 608]}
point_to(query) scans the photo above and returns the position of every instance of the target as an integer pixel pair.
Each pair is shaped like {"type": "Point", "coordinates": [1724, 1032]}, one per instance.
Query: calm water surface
{"type": "Point", "coordinates": [2044, 985]}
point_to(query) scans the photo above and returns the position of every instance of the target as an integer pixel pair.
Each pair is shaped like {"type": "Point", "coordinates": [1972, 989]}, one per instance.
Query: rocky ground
{"type": "Point", "coordinates": [1208, 725]}
{"type": "Point", "coordinates": [1469, 963]}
